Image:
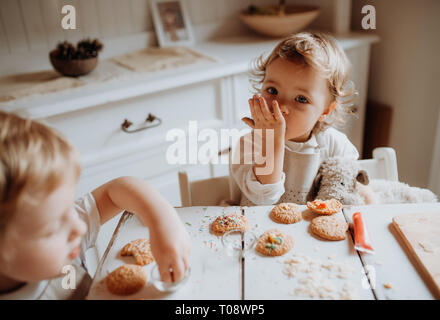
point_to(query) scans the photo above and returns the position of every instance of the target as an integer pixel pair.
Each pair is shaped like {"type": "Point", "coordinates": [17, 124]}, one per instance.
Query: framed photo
{"type": "Point", "coordinates": [171, 22]}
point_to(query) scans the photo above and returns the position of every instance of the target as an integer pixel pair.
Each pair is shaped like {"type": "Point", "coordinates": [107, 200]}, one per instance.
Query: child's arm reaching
{"type": "Point", "coordinates": [170, 242]}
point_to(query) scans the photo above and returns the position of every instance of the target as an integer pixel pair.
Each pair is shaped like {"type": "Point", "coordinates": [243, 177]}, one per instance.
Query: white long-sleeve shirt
{"type": "Point", "coordinates": [301, 163]}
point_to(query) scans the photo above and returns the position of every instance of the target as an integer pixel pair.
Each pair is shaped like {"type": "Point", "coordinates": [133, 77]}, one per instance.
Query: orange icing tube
{"type": "Point", "coordinates": [362, 241]}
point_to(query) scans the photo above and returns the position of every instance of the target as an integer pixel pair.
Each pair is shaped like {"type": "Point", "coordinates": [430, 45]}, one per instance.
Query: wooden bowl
{"type": "Point", "coordinates": [295, 19]}
{"type": "Point", "coordinates": [73, 68]}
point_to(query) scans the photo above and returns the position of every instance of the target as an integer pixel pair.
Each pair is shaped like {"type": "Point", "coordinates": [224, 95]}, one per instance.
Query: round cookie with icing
{"type": "Point", "coordinates": [329, 227]}
{"type": "Point", "coordinates": [327, 207]}
{"type": "Point", "coordinates": [286, 213]}
{"type": "Point", "coordinates": [126, 279]}
{"type": "Point", "coordinates": [273, 242]}
{"type": "Point", "coordinates": [228, 222]}
{"type": "Point", "coordinates": [140, 249]}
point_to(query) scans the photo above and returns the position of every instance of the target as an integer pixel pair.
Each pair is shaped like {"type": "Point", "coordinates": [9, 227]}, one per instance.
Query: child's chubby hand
{"type": "Point", "coordinates": [169, 239]}
{"type": "Point", "coordinates": [170, 244]}
{"type": "Point", "coordinates": [263, 118]}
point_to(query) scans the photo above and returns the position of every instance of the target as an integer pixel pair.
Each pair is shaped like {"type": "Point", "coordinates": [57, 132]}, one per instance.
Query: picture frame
{"type": "Point", "coordinates": [171, 23]}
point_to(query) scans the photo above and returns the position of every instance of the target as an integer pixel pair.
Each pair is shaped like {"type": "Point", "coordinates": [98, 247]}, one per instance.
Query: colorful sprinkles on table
{"type": "Point", "coordinates": [201, 229]}
{"type": "Point", "coordinates": [230, 219]}
{"type": "Point", "coordinates": [211, 244]}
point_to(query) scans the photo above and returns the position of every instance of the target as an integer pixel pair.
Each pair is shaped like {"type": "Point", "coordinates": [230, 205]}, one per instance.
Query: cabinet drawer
{"type": "Point", "coordinates": [143, 165]}
{"type": "Point", "coordinates": [149, 165]}
{"type": "Point", "coordinates": [97, 129]}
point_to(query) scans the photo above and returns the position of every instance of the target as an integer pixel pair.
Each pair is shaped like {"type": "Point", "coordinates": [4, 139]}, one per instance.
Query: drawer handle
{"type": "Point", "coordinates": [151, 122]}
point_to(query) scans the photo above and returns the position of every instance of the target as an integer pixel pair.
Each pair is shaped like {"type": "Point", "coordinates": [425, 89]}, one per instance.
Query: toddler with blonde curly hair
{"type": "Point", "coordinates": [303, 91]}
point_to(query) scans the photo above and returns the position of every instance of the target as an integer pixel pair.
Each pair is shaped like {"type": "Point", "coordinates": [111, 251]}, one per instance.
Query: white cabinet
{"type": "Point", "coordinates": [359, 58]}
{"type": "Point", "coordinates": [108, 152]}
{"type": "Point", "coordinates": [243, 91]}
{"type": "Point", "coordinates": [97, 131]}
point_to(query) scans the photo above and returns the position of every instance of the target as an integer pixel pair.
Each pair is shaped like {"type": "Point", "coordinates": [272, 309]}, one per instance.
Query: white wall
{"type": "Point", "coordinates": [29, 29]}
{"type": "Point", "coordinates": [404, 73]}
{"type": "Point", "coordinates": [35, 25]}
{"type": "Point", "coordinates": [434, 178]}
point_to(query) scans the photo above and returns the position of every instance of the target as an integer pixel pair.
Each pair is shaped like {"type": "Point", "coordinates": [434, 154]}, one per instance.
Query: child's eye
{"type": "Point", "coordinates": [272, 90]}
{"type": "Point", "coordinates": [301, 99]}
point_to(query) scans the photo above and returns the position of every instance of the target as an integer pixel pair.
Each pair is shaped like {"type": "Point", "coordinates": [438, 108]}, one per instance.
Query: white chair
{"type": "Point", "coordinates": [206, 192]}
{"type": "Point", "coordinates": [383, 165]}
{"type": "Point", "coordinates": [210, 192]}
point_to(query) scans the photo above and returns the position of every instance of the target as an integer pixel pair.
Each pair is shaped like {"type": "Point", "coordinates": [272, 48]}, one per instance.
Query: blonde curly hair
{"type": "Point", "coordinates": [34, 160]}
{"type": "Point", "coordinates": [320, 51]}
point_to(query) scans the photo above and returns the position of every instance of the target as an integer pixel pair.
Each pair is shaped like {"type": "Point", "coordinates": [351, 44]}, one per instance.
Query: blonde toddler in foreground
{"type": "Point", "coordinates": [43, 228]}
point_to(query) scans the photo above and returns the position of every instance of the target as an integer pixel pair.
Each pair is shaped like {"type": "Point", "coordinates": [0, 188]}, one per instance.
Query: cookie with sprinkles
{"type": "Point", "coordinates": [273, 242]}
{"type": "Point", "coordinates": [327, 207]}
{"type": "Point", "coordinates": [230, 221]}
{"type": "Point", "coordinates": [286, 213]}
{"type": "Point", "coordinates": [140, 249]}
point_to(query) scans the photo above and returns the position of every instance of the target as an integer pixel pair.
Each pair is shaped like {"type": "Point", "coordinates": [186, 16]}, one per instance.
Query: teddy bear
{"type": "Point", "coordinates": [339, 177]}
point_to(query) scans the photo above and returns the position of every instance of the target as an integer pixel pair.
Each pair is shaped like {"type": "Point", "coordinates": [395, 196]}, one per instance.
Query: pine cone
{"type": "Point", "coordinates": [88, 48]}
{"type": "Point", "coordinates": [85, 49]}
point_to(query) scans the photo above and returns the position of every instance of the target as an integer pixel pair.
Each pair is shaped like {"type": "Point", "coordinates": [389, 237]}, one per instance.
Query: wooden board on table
{"type": "Point", "coordinates": [265, 277]}
{"type": "Point", "coordinates": [390, 265]}
{"type": "Point", "coordinates": [214, 275]}
{"type": "Point", "coordinates": [421, 234]}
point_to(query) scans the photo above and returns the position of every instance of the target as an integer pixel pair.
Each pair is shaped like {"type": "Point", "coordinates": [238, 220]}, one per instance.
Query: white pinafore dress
{"type": "Point", "coordinates": [301, 164]}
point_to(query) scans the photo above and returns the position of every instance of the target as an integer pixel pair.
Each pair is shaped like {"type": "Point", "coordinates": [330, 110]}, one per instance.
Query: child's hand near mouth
{"type": "Point", "coordinates": [268, 118]}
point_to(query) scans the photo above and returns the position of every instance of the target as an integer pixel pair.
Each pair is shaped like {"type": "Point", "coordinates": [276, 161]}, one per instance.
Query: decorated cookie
{"type": "Point", "coordinates": [329, 227]}
{"type": "Point", "coordinates": [141, 251]}
{"type": "Point", "coordinates": [327, 207]}
{"type": "Point", "coordinates": [286, 213]}
{"type": "Point", "coordinates": [274, 243]}
{"type": "Point", "coordinates": [127, 279]}
{"type": "Point", "coordinates": [228, 222]}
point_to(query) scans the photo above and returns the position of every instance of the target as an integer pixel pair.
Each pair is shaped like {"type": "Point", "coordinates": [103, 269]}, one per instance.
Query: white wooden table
{"type": "Point", "coordinates": [215, 275]}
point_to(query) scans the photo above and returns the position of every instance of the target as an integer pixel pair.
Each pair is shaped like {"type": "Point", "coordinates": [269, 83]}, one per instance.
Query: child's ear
{"type": "Point", "coordinates": [329, 110]}
{"type": "Point", "coordinates": [331, 107]}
